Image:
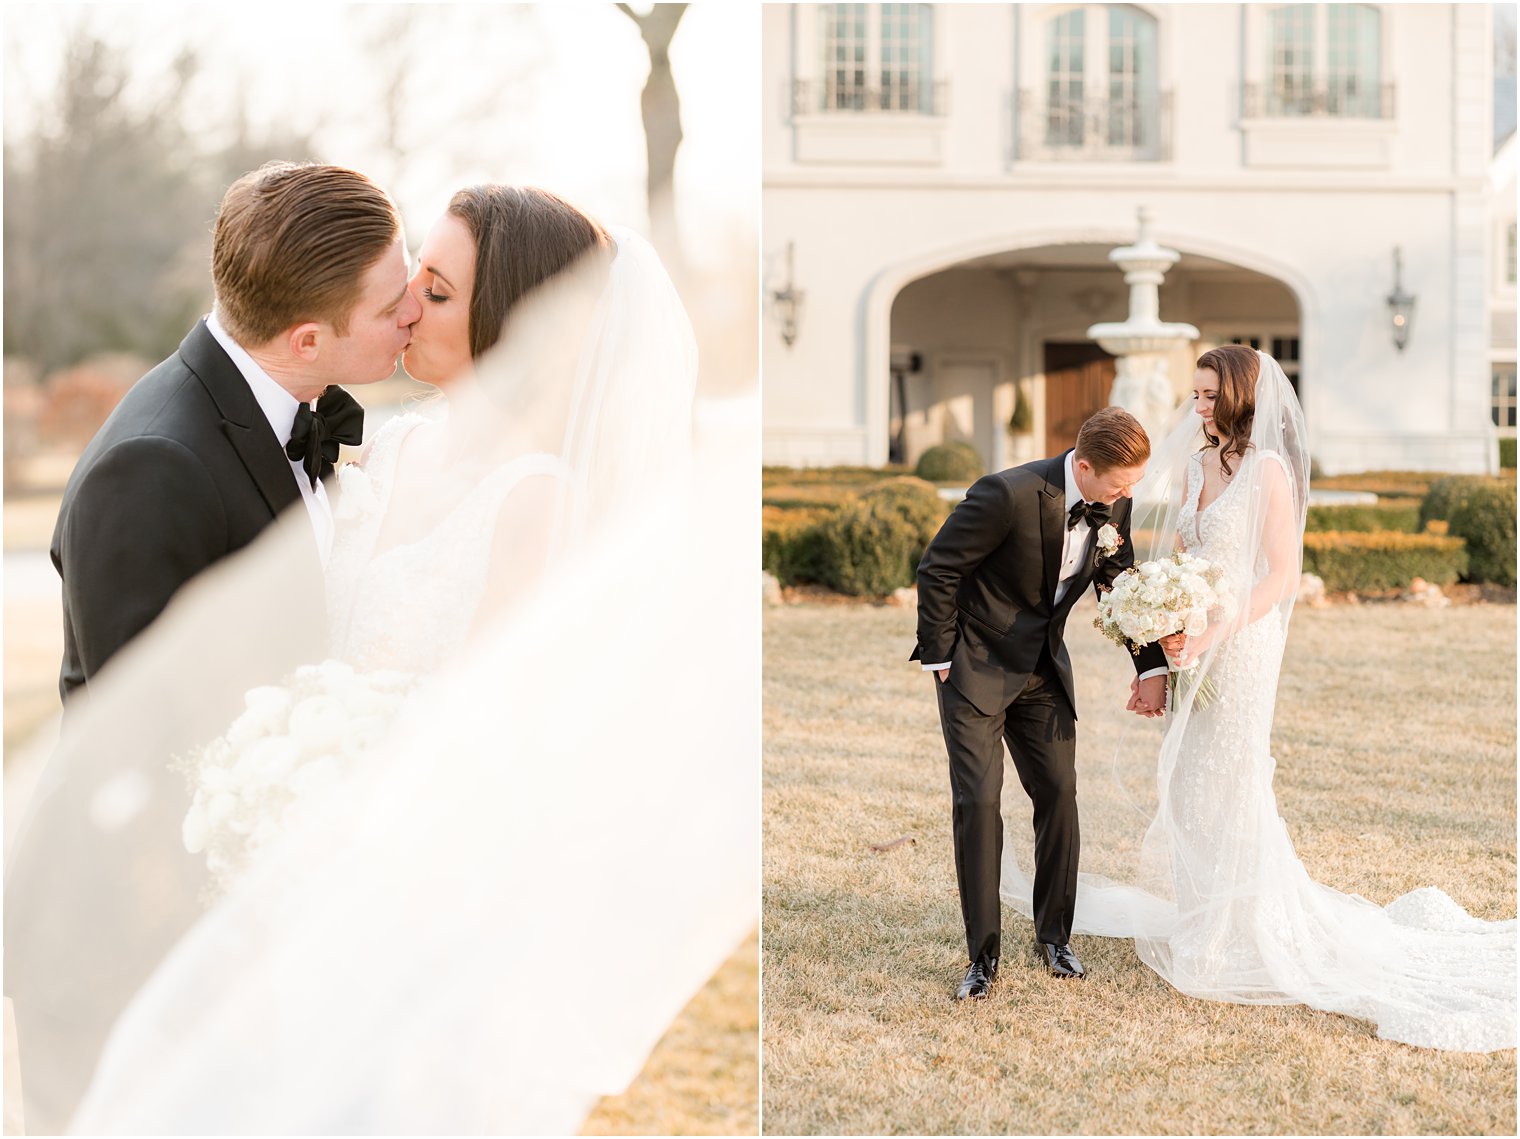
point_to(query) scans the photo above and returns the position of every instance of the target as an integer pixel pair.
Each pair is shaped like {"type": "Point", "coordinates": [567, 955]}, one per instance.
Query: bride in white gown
{"type": "Point", "coordinates": [487, 920]}
{"type": "Point", "coordinates": [1222, 907]}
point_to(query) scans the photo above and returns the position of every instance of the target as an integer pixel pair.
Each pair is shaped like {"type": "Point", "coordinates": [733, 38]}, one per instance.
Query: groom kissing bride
{"type": "Point", "coordinates": [995, 589]}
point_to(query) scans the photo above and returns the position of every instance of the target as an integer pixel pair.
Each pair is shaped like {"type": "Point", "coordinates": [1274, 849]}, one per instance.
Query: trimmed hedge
{"type": "Point", "coordinates": [1481, 511]}
{"type": "Point", "coordinates": [950, 462]}
{"type": "Point", "coordinates": [1397, 514]}
{"type": "Point", "coordinates": [1507, 454]}
{"type": "Point", "coordinates": [1377, 560]}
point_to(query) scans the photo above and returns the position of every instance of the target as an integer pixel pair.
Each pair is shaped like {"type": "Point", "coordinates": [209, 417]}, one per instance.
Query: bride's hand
{"type": "Point", "coordinates": [1194, 647]}
{"type": "Point", "coordinates": [1171, 645]}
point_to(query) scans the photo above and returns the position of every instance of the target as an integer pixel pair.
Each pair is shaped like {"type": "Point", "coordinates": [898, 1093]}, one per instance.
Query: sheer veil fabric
{"type": "Point", "coordinates": [1217, 901]}
{"type": "Point", "coordinates": [489, 924]}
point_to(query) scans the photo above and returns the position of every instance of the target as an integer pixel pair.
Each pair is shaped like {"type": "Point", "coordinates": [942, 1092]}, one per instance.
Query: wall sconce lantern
{"type": "Point", "coordinates": [788, 301]}
{"type": "Point", "coordinates": [1400, 303]}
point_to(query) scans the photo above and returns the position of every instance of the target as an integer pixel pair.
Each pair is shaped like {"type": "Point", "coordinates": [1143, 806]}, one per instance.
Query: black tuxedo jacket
{"type": "Point", "coordinates": [184, 472]}
{"type": "Point", "coordinates": [987, 584]}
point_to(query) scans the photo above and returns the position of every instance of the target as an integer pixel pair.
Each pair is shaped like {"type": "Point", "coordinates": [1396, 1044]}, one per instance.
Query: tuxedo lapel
{"type": "Point", "coordinates": [242, 421]}
{"type": "Point", "coordinates": [1053, 523]}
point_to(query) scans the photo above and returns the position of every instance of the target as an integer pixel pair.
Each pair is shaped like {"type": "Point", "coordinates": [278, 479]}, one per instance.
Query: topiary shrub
{"type": "Point", "coordinates": [868, 548]}
{"type": "Point", "coordinates": [950, 462]}
{"type": "Point", "coordinates": [1507, 454]}
{"type": "Point", "coordinates": [1485, 519]}
{"type": "Point", "coordinates": [1382, 559]}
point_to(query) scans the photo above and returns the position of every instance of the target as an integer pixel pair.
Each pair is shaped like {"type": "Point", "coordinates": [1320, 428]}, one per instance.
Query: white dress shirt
{"type": "Point", "coordinates": [1074, 546]}
{"type": "Point", "coordinates": [279, 407]}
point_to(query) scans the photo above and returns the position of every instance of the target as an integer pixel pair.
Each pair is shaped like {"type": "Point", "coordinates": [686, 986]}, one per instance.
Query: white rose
{"type": "Point", "coordinates": [317, 724]}
{"type": "Point", "coordinates": [332, 673]}
{"type": "Point", "coordinates": [219, 809]}
{"type": "Point", "coordinates": [254, 724]}
{"type": "Point", "coordinates": [363, 737]}
{"type": "Point", "coordinates": [357, 494]}
{"type": "Point", "coordinates": [269, 761]}
{"type": "Point", "coordinates": [214, 779]}
{"type": "Point", "coordinates": [1197, 622]}
{"type": "Point", "coordinates": [316, 777]}
{"type": "Point", "coordinates": [273, 698]}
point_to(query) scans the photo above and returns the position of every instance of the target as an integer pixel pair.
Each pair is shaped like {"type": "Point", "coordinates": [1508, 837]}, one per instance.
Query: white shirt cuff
{"type": "Point", "coordinates": [1152, 672]}
{"type": "Point", "coordinates": [936, 667]}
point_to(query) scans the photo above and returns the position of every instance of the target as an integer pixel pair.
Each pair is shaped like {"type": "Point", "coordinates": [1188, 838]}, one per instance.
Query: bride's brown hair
{"type": "Point", "coordinates": [523, 236]}
{"type": "Point", "coordinates": [1237, 367]}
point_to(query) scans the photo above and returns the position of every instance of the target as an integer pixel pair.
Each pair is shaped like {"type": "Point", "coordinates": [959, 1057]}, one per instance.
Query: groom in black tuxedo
{"type": "Point", "coordinates": [994, 590]}
{"type": "Point", "coordinates": [310, 268]}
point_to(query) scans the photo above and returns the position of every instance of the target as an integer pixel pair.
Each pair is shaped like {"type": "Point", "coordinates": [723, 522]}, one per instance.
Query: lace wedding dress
{"type": "Point", "coordinates": [1251, 926]}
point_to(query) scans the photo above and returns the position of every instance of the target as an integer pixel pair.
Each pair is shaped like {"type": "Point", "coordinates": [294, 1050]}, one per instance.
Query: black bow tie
{"type": "Point", "coordinates": [315, 435]}
{"type": "Point", "coordinates": [1096, 514]}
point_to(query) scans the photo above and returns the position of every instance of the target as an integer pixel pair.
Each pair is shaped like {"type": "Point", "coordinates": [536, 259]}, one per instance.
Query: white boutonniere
{"type": "Point", "coordinates": [1109, 540]}
{"type": "Point", "coordinates": [357, 499]}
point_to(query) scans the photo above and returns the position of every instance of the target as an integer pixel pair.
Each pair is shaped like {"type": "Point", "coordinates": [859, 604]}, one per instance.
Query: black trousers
{"type": "Point", "coordinates": [1040, 729]}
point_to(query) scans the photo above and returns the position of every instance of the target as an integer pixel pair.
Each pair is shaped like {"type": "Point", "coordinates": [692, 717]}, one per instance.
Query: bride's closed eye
{"type": "Point", "coordinates": [436, 298]}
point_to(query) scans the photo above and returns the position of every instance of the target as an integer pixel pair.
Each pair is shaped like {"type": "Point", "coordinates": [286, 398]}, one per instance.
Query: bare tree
{"type": "Point", "coordinates": [99, 207]}
{"type": "Point", "coordinates": [661, 105]}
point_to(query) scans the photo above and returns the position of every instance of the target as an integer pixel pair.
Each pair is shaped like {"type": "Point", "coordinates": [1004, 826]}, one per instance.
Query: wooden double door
{"type": "Point", "coordinates": [1079, 378]}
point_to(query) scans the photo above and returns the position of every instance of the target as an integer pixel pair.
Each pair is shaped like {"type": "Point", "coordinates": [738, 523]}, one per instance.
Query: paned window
{"type": "Point", "coordinates": [876, 57]}
{"type": "Point", "coordinates": [1325, 59]}
{"type": "Point", "coordinates": [1504, 395]}
{"type": "Point", "coordinates": [1101, 79]}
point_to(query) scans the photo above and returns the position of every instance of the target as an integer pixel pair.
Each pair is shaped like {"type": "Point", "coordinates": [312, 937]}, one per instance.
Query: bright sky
{"type": "Point", "coordinates": [538, 93]}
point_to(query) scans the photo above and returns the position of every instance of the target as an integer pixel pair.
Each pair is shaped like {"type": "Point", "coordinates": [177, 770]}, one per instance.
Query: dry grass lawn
{"type": "Point", "coordinates": [704, 1075]}
{"type": "Point", "coordinates": [1395, 744]}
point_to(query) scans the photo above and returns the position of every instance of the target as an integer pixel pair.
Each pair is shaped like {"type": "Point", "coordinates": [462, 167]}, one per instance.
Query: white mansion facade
{"type": "Point", "coordinates": [943, 184]}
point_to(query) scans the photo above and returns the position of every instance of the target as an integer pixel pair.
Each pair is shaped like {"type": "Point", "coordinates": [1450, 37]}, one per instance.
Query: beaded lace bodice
{"type": "Point", "coordinates": [411, 605]}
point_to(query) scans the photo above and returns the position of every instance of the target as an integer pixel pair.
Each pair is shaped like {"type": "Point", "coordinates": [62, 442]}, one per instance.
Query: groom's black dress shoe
{"type": "Point", "coordinates": [978, 980]}
{"type": "Point", "coordinates": [1061, 961]}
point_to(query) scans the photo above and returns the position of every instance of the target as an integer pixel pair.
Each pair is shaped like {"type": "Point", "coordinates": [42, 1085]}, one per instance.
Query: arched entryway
{"type": "Point", "coordinates": [993, 349]}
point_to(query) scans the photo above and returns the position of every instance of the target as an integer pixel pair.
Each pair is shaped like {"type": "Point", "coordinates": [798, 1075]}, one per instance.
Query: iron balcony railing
{"type": "Point", "coordinates": [845, 95]}
{"type": "Point", "coordinates": [1333, 101]}
{"type": "Point", "coordinates": [1095, 130]}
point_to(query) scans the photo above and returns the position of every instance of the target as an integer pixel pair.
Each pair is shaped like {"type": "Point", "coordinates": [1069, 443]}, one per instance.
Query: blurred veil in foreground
{"type": "Point", "coordinates": [484, 919]}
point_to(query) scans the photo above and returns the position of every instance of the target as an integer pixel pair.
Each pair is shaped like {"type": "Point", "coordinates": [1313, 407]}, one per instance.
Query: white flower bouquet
{"type": "Point", "coordinates": [293, 740]}
{"type": "Point", "coordinates": [1180, 594]}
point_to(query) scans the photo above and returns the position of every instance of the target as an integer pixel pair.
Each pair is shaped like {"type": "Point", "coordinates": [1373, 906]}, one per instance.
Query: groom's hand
{"type": "Point", "coordinates": [942, 674]}
{"type": "Point", "coordinates": [1147, 697]}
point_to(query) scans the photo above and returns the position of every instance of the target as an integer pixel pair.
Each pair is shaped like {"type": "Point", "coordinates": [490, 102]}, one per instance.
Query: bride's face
{"type": "Point", "coordinates": [1205, 392]}
{"type": "Point", "coordinates": [443, 284]}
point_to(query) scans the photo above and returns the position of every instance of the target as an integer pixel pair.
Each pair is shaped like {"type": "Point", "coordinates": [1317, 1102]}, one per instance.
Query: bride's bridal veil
{"type": "Point", "coordinates": [489, 919]}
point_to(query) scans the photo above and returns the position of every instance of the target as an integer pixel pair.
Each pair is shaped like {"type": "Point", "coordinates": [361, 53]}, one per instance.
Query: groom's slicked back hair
{"type": "Point", "coordinates": [523, 236]}
{"type": "Point", "coordinates": [1113, 438]}
{"type": "Point", "coordinates": [292, 244]}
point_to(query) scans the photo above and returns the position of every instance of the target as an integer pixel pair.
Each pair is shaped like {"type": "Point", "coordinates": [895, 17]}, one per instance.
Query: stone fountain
{"type": "Point", "coordinates": [1143, 342]}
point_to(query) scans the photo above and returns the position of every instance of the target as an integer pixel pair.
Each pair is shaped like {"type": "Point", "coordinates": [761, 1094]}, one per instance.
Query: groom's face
{"type": "Point", "coordinates": [380, 325]}
{"type": "Point", "coordinates": [1107, 486]}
